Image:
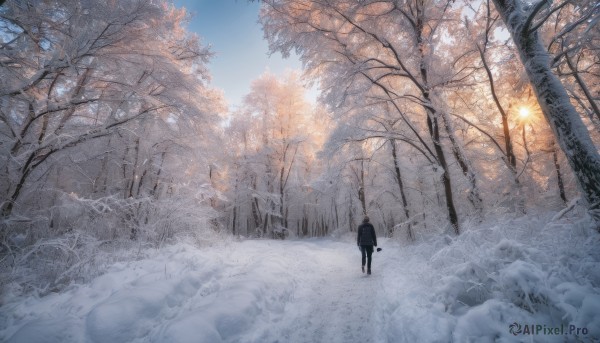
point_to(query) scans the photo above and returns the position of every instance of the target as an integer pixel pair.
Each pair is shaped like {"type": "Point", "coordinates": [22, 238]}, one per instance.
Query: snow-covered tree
{"type": "Point", "coordinates": [388, 49]}
{"type": "Point", "coordinates": [277, 134]}
{"type": "Point", "coordinates": [102, 103]}
{"type": "Point", "coordinates": [523, 22]}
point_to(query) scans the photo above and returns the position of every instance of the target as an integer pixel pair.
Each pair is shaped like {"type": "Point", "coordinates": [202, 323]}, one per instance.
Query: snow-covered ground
{"type": "Point", "coordinates": [251, 291]}
{"type": "Point", "coordinates": [466, 289]}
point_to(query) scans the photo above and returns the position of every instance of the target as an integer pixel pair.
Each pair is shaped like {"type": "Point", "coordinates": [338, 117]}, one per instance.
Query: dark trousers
{"type": "Point", "coordinates": [366, 251]}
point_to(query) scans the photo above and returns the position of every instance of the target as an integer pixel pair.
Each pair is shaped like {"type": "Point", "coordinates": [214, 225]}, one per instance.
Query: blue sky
{"type": "Point", "coordinates": [230, 27]}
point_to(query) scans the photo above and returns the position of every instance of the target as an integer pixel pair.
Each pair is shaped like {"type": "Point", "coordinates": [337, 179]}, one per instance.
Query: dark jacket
{"type": "Point", "coordinates": [366, 235]}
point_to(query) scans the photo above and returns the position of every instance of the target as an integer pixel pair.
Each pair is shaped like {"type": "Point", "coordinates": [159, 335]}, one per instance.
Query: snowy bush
{"type": "Point", "coordinates": [529, 270]}
{"type": "Point", "coordinates": [82, 236]}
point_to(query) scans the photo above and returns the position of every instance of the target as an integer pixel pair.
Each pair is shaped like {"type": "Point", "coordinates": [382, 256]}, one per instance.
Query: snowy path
{"type": "Point", "coordinates": [253, 291]}
{"type": "Point", "coordinates": [334, 301]}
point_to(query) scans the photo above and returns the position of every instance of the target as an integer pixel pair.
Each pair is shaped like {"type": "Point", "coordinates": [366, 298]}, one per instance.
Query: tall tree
{"type": "Point", "coordinates": [389, 45]}
{"type": "Point", "coordinates": [523, 23]}
{"type": "Point", "coordinates": [102, 100]}
{"type": "Point", "coordinates": [276, 135]}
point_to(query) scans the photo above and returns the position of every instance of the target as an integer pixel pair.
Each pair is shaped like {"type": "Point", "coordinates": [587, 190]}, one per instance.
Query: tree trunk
{"type": "Point", "coordinates": [304, 224]}
{"type": "Point", "coordinates": [361, 188]}
{"type": "Point", "coordinates": [282, 215]}
{"type": "Point", "coordinates": [158, 172]}
{"type": "Point", "coordinates": [255, 207]}
{"type": "Point", "coordinates": [351, 216]}
{"type": "Point", "coordinates": [434, 131]}
{"type": "Point", "coordinates": [125, 163]}
{"type": "Point", "coordinates": [9, 204]}
{"type": "Point", "coordinates": [465, 166]}
{"type": "Point", "coordinates": [559, 179]}
{"type": "Point", "coordinates": [134, 176]}
{"type": "Point", "coordinates": [335, 210]}
{"type": "Point", "coordinates": [511, 160]}
{"type": "Point", "coordinates": [102, 173]}
{"type": "Point", "coordinates": [432, 120]}
{"type": "Point", "coordinates": [234, 219]}
{"type": "Point", "coordinates": [420, 183]}
{"type": "Point", "coordinates": [568, 128]}
{"type": "Point", "coordinates": [401, 187]}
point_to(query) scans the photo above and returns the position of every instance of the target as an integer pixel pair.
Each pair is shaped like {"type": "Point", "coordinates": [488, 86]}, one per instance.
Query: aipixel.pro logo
{"type": "Point", "coordinates": [539, 329]}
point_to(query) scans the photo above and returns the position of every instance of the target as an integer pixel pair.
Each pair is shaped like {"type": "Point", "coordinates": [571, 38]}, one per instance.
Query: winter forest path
{"type": "Point", "coordinates": [251, 291]}
{"type": "Point", "coordinates": [299, 291]}
{"type": "Point", "coordinates": [333, 301]}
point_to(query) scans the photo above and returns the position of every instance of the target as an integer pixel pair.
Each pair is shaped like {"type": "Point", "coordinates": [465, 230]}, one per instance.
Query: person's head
{"type": "Point", "coordinates": [366, 219]}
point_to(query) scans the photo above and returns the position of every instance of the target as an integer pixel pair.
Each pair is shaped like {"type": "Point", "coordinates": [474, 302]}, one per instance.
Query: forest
{"type": "Point", "coordinates": [433, 117]}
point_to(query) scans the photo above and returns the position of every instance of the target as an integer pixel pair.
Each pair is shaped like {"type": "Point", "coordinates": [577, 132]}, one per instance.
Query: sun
{"type": "Point", "coordinates": [524, 112]}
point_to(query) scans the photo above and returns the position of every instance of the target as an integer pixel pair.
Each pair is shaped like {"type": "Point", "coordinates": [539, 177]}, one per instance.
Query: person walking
{"type": "Point", "coordinates": [365, 240]}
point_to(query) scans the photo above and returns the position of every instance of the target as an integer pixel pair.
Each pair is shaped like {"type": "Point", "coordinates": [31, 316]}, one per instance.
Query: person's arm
{"type": "Point", "coordinates": [374, 236]}
{"type": "Point", "coordinates": [358, 236]}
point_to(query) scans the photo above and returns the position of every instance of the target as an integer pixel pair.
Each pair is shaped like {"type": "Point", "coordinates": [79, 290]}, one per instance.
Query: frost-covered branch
{"type": "Point", "coordinates": [548, 15]}
{"type": "Point", "coordinates": [531, 15]}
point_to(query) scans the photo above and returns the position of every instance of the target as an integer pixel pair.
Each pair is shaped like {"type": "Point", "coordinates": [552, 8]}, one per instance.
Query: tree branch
{"type": "Point", "coordinates": [547, 16]}
{"type": "Point", "coordinates": [538, 7]}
